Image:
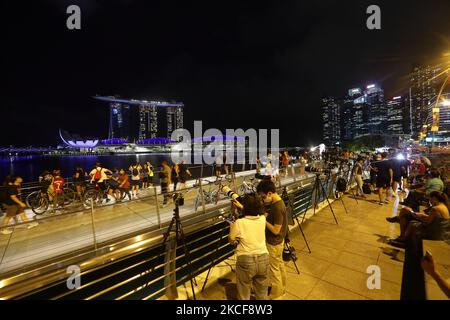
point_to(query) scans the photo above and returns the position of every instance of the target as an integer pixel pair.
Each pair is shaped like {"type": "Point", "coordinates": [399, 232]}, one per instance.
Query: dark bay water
{"type": "Point", "coordinates": [30, 167]}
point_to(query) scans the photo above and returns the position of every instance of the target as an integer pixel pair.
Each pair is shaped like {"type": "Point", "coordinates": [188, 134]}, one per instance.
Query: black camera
{"type": "Point", "coordinates": [178, 199]}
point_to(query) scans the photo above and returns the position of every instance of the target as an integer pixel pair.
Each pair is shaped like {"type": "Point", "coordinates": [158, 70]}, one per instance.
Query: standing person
{"type": "Point", "coordinates": [79, 180]}
{"type": "Point", "coordinates": [184, 173]}
{"type": "Point", "coordinates": [225, 165]}
{"type": "Point", "coordinates": [384, 178]}
{"type": "Point", "coordinates": [150, 174]}
{"type": "Point", "coordinates": [165, 180]}
{"type": "Point", "coordinates": [276, 230]}
{"type": "Point", "coordinates": [124, 184]}
{"type": "Point", "coordinates": [252, 262]}
{"type": "Point", "coordinates": [258, 165]}
{"type": "Point", "coordinates": [113, 183]}
{"type": "Point", "coordinates": [13, 203]}
{"type": "Point", "coordinates": [174, 174]}
{"type": "Point", "coordinates": [135, 171]}
{"type": "Point", "coordinates": [396, 165]}
{"type": "Point", "coordinates": [357, 173]}
{"type": "Point", "coordinates": [285, 162]}
{"type": "Point", "coordinates": [218, 165]}
{"type": "Point", "coordinates": [46, 183]}
{"type": "Point", "coordinates": [145, 176]}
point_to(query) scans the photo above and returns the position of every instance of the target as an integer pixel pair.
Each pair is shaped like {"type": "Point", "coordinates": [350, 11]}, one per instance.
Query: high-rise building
{"type": "Point", "coordinates": [360, 117]}
{"type": "Point", "coordinates": [139, 119]}
{"type": "Point", "coordinates": [148, 122]}
{"type": "Point", "coordinates": [396, 112]}
{"type": "Point", "coordinates": [423, 88]}
{"type": "Point", "coordinates": [347, 125]}
{"type": "Point", "coordinates": [374, 98]}
{"type": "Point", "coordinates": [174, 119]}
{"type": "Point", "coordinates": [331, 121]}
{"type": "Point", "coordinates": [439, 115]}
{"type": "Point", "coordinates": [120, 121]}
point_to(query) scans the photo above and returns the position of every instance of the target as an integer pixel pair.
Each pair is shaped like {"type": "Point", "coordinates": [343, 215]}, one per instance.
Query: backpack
{"type": "Point", "coordinates": [289, 251]}
{"type": "Point", "coordinates": [3, 194]}
{"type": "Point", "coordinates": [366, 188]}
{"type": "Point", "coordinates": [98, 174]}
{"type": "Point", "coordinates": [341, 184]}
{"type": "Point", "coordinates": [135, 171]}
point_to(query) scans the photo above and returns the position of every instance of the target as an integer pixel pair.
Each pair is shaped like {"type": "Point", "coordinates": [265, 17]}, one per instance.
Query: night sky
{"type": "Point", "coordinates": [235, 64]}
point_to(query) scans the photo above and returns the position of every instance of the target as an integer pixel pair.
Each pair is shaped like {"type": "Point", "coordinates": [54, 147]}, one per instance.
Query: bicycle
{"type": "Point", "coordinates": [97, 195]}
{"type": "Point", "coordinates": [210, 196]}
{"type": "Point", "coordinates": [247, 187]}
{"type": "Point", "coordinates": [39, 201]}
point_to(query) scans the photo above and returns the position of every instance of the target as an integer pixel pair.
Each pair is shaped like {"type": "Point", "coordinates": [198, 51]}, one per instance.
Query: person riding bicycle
{"type": "Point", "coordinates": [99, 176]}
{"type": "Point", "coordinates": [58, 185]}
{"type": "Point", "coordinates": [45, 181]}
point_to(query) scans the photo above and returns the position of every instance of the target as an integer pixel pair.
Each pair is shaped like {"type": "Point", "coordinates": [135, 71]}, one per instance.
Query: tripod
{"type": "Point", "coordinates": [288, 203]}
{"type": "Point", "coordinates": [318, 190]}
{"type": "Point", "coordinates": [349, 181]}
{"type": "Point", "coordinates": [213, 261]}
{"type": "Point", "coordinates": [179, 236]}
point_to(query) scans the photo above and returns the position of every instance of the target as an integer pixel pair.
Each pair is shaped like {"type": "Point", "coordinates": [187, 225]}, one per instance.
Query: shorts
{"type": "Point", "coordinates": [135, 183]}
{"type": "Point", "coordinates": [13, 210]}
{"type": "Point", "coordinates": [79, 183]}
{"type": "Point", "coordinates": [383, 182]}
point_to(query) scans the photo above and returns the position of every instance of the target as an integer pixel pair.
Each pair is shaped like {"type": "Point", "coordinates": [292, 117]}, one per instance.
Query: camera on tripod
{"type": "Point", "coordinates": [178, 199]}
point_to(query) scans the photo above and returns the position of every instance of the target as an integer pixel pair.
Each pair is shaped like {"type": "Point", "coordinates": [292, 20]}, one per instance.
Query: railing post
{"type": "Point", "coordinates": [170, 280]}
{"type": "Point", "coordinates": [93, 224]}
{"type": "Point", "coordinates": [202, 196]}
{"type": "Point", "coordinates": [157, 207]}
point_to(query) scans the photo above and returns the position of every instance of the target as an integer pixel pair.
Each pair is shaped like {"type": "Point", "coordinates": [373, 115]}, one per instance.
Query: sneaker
{"type": "Point", "coordinates": [380, 203]}
{"type": "Point", "coordinates": [32, 225]}
{"type": "Point", "coordinates": [392, 219]}
{"type": "Point", "coordinates": [6, 231]}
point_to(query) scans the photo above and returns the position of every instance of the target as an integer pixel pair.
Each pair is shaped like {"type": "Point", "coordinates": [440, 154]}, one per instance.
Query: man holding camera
{"type": "Point", "coordinates": [276, 230]}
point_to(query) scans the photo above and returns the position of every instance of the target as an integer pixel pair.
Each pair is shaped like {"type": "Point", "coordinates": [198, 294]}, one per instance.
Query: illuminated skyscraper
{"type": "Point", "coordinates": [119, 121]}
{"type": "Point", "coordinates": [423, 88]}
{"type": "Point", "coordinates": [396, 114]}
{"type": "Point", "coordinates": [139, 119]}
{"type": "Point", "coordinates": [331, 121]}
{"type": "Point", "coordinates": [374, 98]}
{"type": "Point", "coordinates": [148, 122]}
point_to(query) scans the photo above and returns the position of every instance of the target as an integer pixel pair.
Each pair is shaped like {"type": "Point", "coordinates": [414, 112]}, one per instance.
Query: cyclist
{"type": "Point", "coordinates": [113, 184]}
{"type": "Point", "coordinates": [124, 183]}
{"type": "Point", "coordinates": [99, 176]}
{"type": "Point", "coordinates": [46, 183]}
{"type": "Point", "coordinates": [58, 185]}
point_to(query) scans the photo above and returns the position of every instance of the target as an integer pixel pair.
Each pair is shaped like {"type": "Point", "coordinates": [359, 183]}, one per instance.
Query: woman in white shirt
{"type": "Point", "coordinates": [252, 264]}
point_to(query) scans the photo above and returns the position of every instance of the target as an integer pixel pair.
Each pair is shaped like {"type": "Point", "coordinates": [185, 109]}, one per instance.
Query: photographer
{"type": "Point", "coordinates": [252, 263]}
{"type": "Point", "coordinates": [276, 229]}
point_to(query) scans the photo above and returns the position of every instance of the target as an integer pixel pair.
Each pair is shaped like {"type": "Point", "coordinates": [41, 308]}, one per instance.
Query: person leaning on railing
{"type": "Point", "coordinates": [252, 263]}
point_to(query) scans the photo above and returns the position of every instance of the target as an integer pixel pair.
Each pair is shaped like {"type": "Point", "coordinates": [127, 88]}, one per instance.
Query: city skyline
{"type": "Point", "coordinates": [244, 66]}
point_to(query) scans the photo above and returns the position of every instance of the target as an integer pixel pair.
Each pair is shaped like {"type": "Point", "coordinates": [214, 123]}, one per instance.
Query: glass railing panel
{"type": "Point", "coordinates": [52, 237]}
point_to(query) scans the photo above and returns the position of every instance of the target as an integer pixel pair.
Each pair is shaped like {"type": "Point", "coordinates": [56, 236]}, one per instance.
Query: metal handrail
{"type": "Point", "coordinates": [198, 212]}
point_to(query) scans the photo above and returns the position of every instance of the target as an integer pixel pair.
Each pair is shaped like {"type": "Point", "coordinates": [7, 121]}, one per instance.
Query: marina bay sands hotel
{"type": "Point", "coordinates": [139, 120]}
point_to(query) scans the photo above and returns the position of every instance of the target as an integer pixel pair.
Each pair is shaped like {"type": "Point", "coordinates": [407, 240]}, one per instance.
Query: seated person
{"type": "Point", "coordinates": [433, 225]}
{"type": "Point", "coordinates": [415, 197]}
